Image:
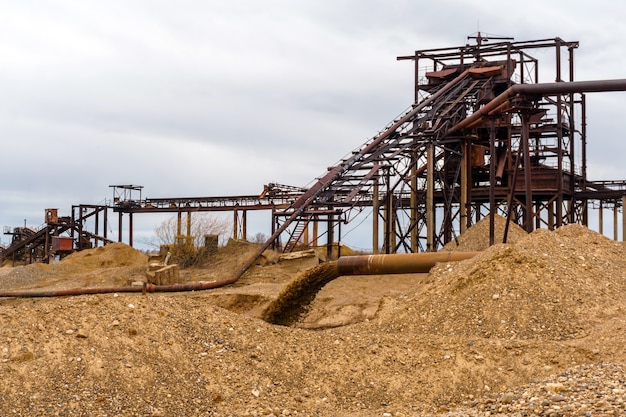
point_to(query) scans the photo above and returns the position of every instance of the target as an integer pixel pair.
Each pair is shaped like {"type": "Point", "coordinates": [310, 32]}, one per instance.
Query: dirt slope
{"type": "Point", "coordinates": [535, 327]}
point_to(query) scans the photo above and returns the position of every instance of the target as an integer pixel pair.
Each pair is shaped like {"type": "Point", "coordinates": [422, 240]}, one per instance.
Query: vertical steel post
{"type": "Point", "coordinates": [314, 242]}
{"type": "Point", "coordinates": [430, 198]}
{"type": "Point", "coordinates": [559, 169]}
{"type": "Point", "coordinates": [119, 227]}
{"type": "Point", "coordinates": [388, 225]}
{"type": "Point", "coordinates": [492, 180]}
{"type": "Point", "coordinates": [273, 228]}
{"type": "Point", "coordinates": [130, 229]}
{"type": "Point", "coordinates": [583, 151]}
{"type": "Point", "coordinates": [601, 219]}
{"type": "Point", "coordinates": [96, 226]}
{"type": "Point", "coordinates": [623, 218]}
{"type": "Point", "coordinates": [417, 79]}
{"type": "Point", "coordinates": [375, 209]}
{"type": "Point", "coordinates": [188, 227]}
{"type": "Point", "coordinates": [572, 151]}
{"type": "Point", "coordinates": [338, 236]}
{"type": "Point", "coordinates": [106, 222]}
{"type": "Point", "coordinates": [330, 238]}
{"type": "Point", "coordinates": [560, 143]}
{"type": "Point", "coordinates": [464, 209]}
{"type": "Point", "coordinates": [528, 192]}
{"type": "Point", "coordinates": [244, 225]}
{"type": "Point", "coordinates": [557, 48]}
{"type": "Point", "coordinates": [414, 211]}
{"type": "Point", "coordinates": [393, 217]}
{"type": "Point", "coordinates": [47, 246]}
{"type": "Point", "coordinates": [615, 221]}
{"type": "Point", "coordinates": [79, 227]}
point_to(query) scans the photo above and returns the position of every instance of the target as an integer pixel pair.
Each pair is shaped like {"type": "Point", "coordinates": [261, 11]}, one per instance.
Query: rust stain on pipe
{"type": "Point", "coordinates": [397, 263]}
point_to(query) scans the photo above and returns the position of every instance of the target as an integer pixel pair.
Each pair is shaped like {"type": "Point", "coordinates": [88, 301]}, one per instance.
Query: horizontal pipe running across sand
{"type": "Point", "coordinates": [404, 263]}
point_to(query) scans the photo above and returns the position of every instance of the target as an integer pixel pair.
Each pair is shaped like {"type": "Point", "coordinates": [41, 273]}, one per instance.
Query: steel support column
{"type": "Point", "coordinates": [329, 235]}
{"type": "Point", "coordinates": [528, 192]}
{"type": "Point", "coordinates": [414, 216]}
{"type": "Point", "coordinates": [119, 227]}
{"type": "Point", "coordinates": [430, 198]}
{"type": "Point", "coordinates": [314, 241]}
{"type": "Point", "coordinates": [615, 222]}
{"type": "Point", "coordinates": [624, 219]}
{"type": "Point", "coordinates": [465, 179]}
{"type": "Point", "coordinates": [601, 219]}
{"type": "Point", "coordinates": [130, 229]}
{"type": "Point", "coordinates": [375, 209]}
{"type": "Point", "coordinates": [492, 180]}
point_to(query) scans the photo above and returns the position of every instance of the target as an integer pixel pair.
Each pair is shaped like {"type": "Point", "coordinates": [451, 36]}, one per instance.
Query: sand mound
{"type": "Point", "coordinates": [552, 285]}
{"type": "Point", "coordinates": [112, 255]}
{"type": "Point", "coordinates": [476, 238]}
{"type": "Point", "coordinates": [112, 264]}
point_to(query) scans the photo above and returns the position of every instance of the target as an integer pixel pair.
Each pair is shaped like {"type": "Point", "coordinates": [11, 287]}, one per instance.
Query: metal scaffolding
{"type": "Point", "coordinates": [483, 137]}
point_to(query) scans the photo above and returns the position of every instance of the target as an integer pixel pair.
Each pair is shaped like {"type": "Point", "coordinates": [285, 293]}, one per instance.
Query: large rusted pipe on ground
{"type": "Point", "coordinates": [296, 295]}
{"type": "Point", "coordinates": [146, 288]}
{"type": "Point", "coordinates": [404, 263]}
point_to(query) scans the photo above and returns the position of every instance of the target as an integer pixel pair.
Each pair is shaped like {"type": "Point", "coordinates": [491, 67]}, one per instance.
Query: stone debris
{"type": "Point", "coordinates": [586, 390]}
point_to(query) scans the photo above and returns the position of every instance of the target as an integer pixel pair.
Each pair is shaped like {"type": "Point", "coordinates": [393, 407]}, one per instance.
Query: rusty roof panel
{"type": "Point", "coordinates": [441, 73]}
{"type": "Point", "coordinates": [486, 71]}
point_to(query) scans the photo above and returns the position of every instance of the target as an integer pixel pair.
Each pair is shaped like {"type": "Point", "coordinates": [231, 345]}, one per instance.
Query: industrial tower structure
{"type": "Point", "coordinates": [483, 137]}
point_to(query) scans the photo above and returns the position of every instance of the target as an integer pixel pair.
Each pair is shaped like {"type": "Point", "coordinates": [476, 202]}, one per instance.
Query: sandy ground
{"type": "Point", "coordinates": [532, 327]}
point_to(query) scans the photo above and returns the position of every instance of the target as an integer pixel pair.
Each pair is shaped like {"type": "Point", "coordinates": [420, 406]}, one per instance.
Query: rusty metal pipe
{"type": "Point", "coordinates": [347, 265]}
{"type": "Point", "coordinates": [541, 89]}
{"type": "Point", "coordinates": [405, 263]}
{"type": "Point", "coordinates": [146, 288]}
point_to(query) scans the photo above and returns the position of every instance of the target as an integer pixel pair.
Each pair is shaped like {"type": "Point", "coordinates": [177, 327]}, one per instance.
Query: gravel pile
{"type": "Point", "coordinates": [531, 328]}
{"type": "Point", "coordinates": [587, 390]}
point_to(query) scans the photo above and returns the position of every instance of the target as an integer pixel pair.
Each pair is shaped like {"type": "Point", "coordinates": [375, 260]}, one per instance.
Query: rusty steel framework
{"type": "Point", "coordinates": [55, 238]}
{"type": "Point", "coordinates": [483, 137]}
{"type": "Point", "coordinates": [88, 225]}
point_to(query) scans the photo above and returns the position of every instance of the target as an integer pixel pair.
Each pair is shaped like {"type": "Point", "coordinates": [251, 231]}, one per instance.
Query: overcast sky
{"type": "Point", "coordinates": [195, 98]}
